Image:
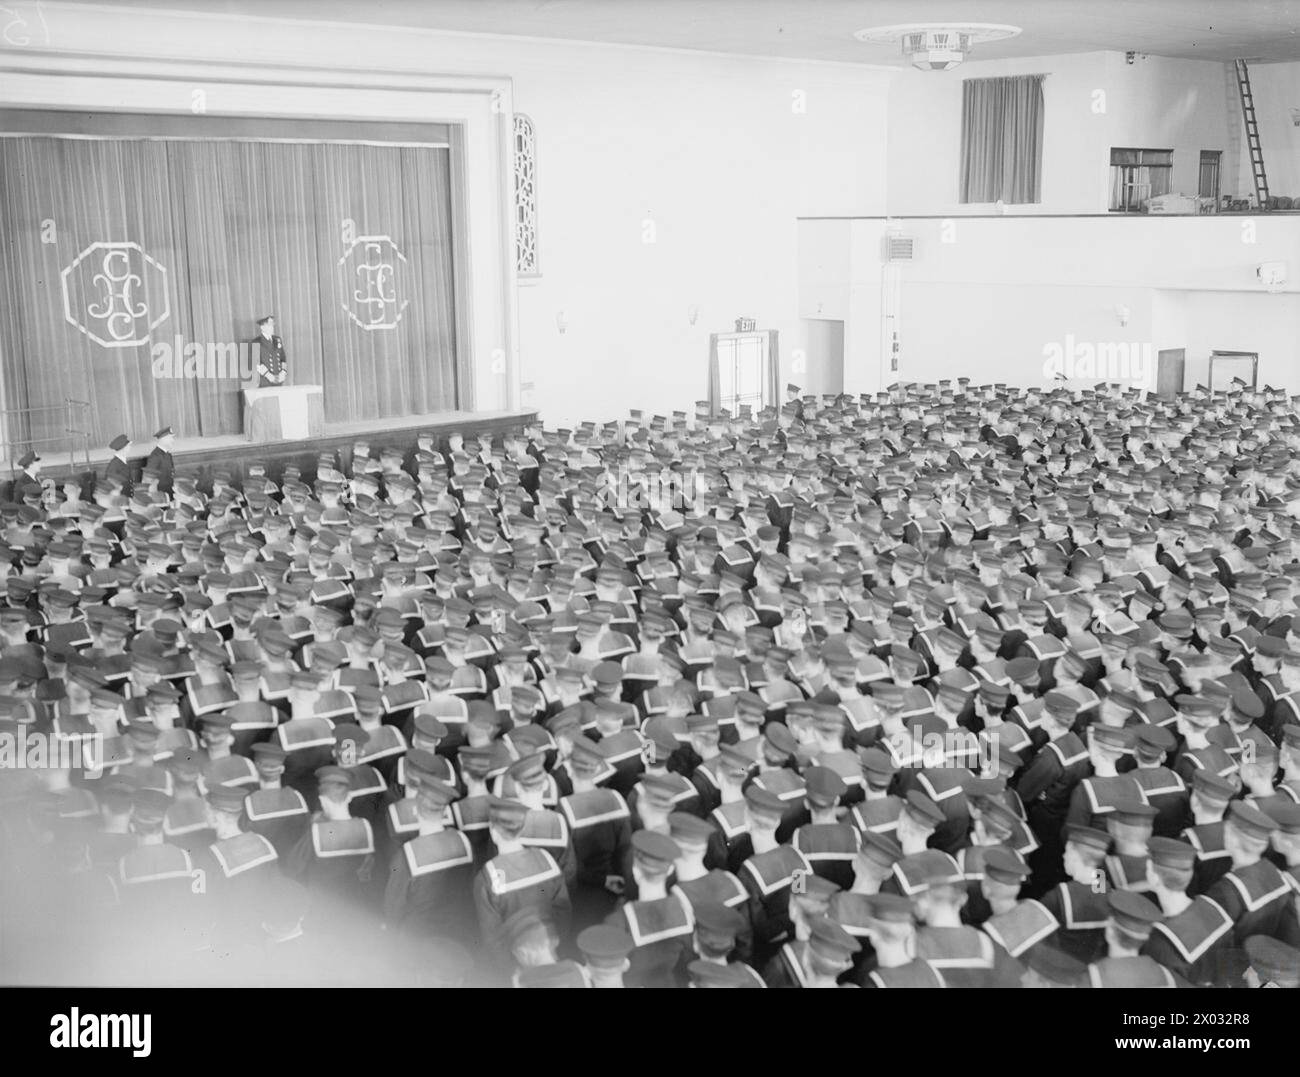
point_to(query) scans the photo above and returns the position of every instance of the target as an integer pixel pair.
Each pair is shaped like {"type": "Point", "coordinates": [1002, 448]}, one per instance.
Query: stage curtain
{"type": "Point", "coordinates": [243, 229]}
{"type": "Point", "coordinates": [1002, 139]}
{"type": "Point", "coordinates": [56, 198]}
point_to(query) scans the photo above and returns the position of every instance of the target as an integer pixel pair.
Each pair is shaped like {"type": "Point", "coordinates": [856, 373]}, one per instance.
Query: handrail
{"type": "Point", "coordinates": [75, 437]}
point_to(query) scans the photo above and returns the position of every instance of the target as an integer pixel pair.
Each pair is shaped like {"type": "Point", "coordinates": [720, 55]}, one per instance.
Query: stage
{"type": "Point", "coordinates": [233, 453]}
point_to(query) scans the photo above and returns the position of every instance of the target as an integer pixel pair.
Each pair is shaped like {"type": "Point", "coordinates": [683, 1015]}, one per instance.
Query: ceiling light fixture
{"type": "Point", "coordinates": [937, 46]}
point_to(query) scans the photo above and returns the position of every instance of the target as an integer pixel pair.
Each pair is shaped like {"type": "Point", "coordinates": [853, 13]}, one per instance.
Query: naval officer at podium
{"type": "Point", "coordinates": [272, 364]}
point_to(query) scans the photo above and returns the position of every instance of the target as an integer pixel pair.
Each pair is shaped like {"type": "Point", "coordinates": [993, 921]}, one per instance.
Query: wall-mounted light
{"type": "Point", "coordinates": [561, 321]}
{"type": "Point", "coordinates": [1122, 313]}
{"type": "Point", "coordinates": [692, 313]}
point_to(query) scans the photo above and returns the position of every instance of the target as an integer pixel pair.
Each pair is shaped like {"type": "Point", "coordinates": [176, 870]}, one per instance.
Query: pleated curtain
{"type": "Point", "coordinates": [1002, 140]}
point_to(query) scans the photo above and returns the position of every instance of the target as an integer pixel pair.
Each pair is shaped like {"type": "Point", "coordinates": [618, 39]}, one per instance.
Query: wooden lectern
{"type": "Point", "coordinates": [284, 413]}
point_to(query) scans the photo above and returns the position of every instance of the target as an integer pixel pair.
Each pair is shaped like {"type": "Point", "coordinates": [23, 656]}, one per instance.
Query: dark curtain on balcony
{"type": "Point", "coordinates": [1002, 139]}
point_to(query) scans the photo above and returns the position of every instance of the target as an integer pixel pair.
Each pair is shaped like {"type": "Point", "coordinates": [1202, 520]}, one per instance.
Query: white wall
{"type": "Point", "coordinates": [1158, 103]}
{"type": "Point", "coordinates": [1091, 101]}
{"type": "Point", "coordinates": [1230, 321]}
{"type": "Point", "coordinates": [924, 149]}
{"type": "Point", "coordinates": [721, 153]}
{"type": "Point", "coordinates": [985, 297]}
{"type": "Point", "coordinates": [711, 151]}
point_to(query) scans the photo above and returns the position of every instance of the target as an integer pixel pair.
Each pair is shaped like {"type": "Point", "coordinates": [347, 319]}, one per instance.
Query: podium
{"type": "Point", "coordinates": [284, 413]}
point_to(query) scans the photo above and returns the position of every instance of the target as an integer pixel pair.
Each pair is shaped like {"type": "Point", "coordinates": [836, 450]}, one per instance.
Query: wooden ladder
{"type": "Point", "coordinates": [1252, 135]}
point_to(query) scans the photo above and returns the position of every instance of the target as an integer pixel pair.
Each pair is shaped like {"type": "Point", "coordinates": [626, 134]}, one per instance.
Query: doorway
{"type": "Point", "coordinates": [1171, 367]}
{"type": "Point", "coordinates": [1210, 171]}
{"type": "Point", "coordinates": [824, 357]}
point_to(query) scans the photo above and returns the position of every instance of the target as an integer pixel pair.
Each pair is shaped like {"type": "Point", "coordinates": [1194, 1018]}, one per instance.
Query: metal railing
{"type": "Point", "coordinates": [74, 439]}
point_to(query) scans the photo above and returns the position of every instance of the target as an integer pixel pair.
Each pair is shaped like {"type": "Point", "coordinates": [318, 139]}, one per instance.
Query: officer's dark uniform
{"type": "Point", "coordinates": [161, 461]}
{"type": "Point", "coordinates": [119, 471]}
{"type": "Point", "coordinates": [272, 363]}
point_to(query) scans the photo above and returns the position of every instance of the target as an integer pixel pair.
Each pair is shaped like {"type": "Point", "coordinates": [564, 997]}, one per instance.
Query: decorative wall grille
{"type": "Point", "coordinates": [526, 263]}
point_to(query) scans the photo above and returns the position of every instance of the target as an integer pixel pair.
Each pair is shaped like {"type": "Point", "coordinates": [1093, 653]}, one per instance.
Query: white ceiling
{"type": "Point", "coordinates": [823, 29]}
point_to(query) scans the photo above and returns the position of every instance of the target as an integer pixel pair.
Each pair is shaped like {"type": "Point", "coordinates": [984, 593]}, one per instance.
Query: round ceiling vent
{"type": "Point", "coordinates": [937, 46]}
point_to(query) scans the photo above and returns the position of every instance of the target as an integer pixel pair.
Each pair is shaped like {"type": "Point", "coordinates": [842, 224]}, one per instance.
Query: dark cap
{"type": "Point", "coordinates": [332, 774]}
{"type": "Point", "coordinates": [1132, 913]}
{"type": "Point", "coordinates": [605, 946]}
{"type": "Point", "coordinates": [1171, 853]}
{"type": "Point", "coordinates": [922, 808]}
{"type": "Point", "coordinates": [688, 828]}
{"type": "Point", "coordinates": [711, 974]}
{"type": "Point", "coordinates": [656, 852]}
{"type": "Point", "coordinates": [762, 802]}
{"type": "Point", "coordinates": [1056, 966]}
{"type": "Point", "coordinates": [1250, 820]}
{"type": "Point", "coordinates": [1133, 813]}
{"type": "Point", "coordinates": [150, 805]}
{"type": "Point", "coordinates": [877, 767]}
{"type": "Point", "coordinates": [717, 919]}
{"type": "Point", "coordinates": [507, 814]}
{"type": "Point", "coordinates": [1088, 837]}
{"type": "Point", "coordinates": [562, 974]}
{"type": "Point", "coordinates": [1273, 960]}
{"type": "Point", "coordinates": [1005, 865]}
{"type": "Point", "coordinates": [888, 908]}
{"type": "Point", "coordinates": [1215, 787]}
{"type": "Point", "coordinates": [435, 789]}
{"type": "Point", "coordinates": [1153, 741]}
{"type": "Point", "coordinates": [830, 941]}
{"type": "Point", "coordinates": [1285, 813]}
{"type": "Point", "coordinates": [268, 751]}
{"type": "Point", "coordinates": [227, 798]}
{"type": "Point", "coordinates": [823, 787]}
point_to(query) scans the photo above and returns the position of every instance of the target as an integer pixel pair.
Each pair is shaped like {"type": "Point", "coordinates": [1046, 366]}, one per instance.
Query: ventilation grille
{"type": "Point", "coordinates": [936, 40]}
{"type": "Point", "coordinates": [898, 248]}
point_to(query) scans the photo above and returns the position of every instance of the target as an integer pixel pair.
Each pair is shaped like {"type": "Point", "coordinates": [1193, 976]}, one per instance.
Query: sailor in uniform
{"type": "Point", "coordinates": [1129, 924]}
{"type": "Point", "coordinates": [430, 875]}
{"type": "Point", "coordinates": [514, 878]}
{"type": "Point", "coordinates": [118, 469]}
{"type": "Point", "coordinates": [660, 922]}
{"type": "Point", "coordinates": [1193, 937]}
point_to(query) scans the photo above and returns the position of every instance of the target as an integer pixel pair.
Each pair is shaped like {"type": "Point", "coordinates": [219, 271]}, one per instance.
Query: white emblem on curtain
{"type": "Point", "coordinates": [369, 271]}
{"type": "Point", "coordinates": [107, 292]}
